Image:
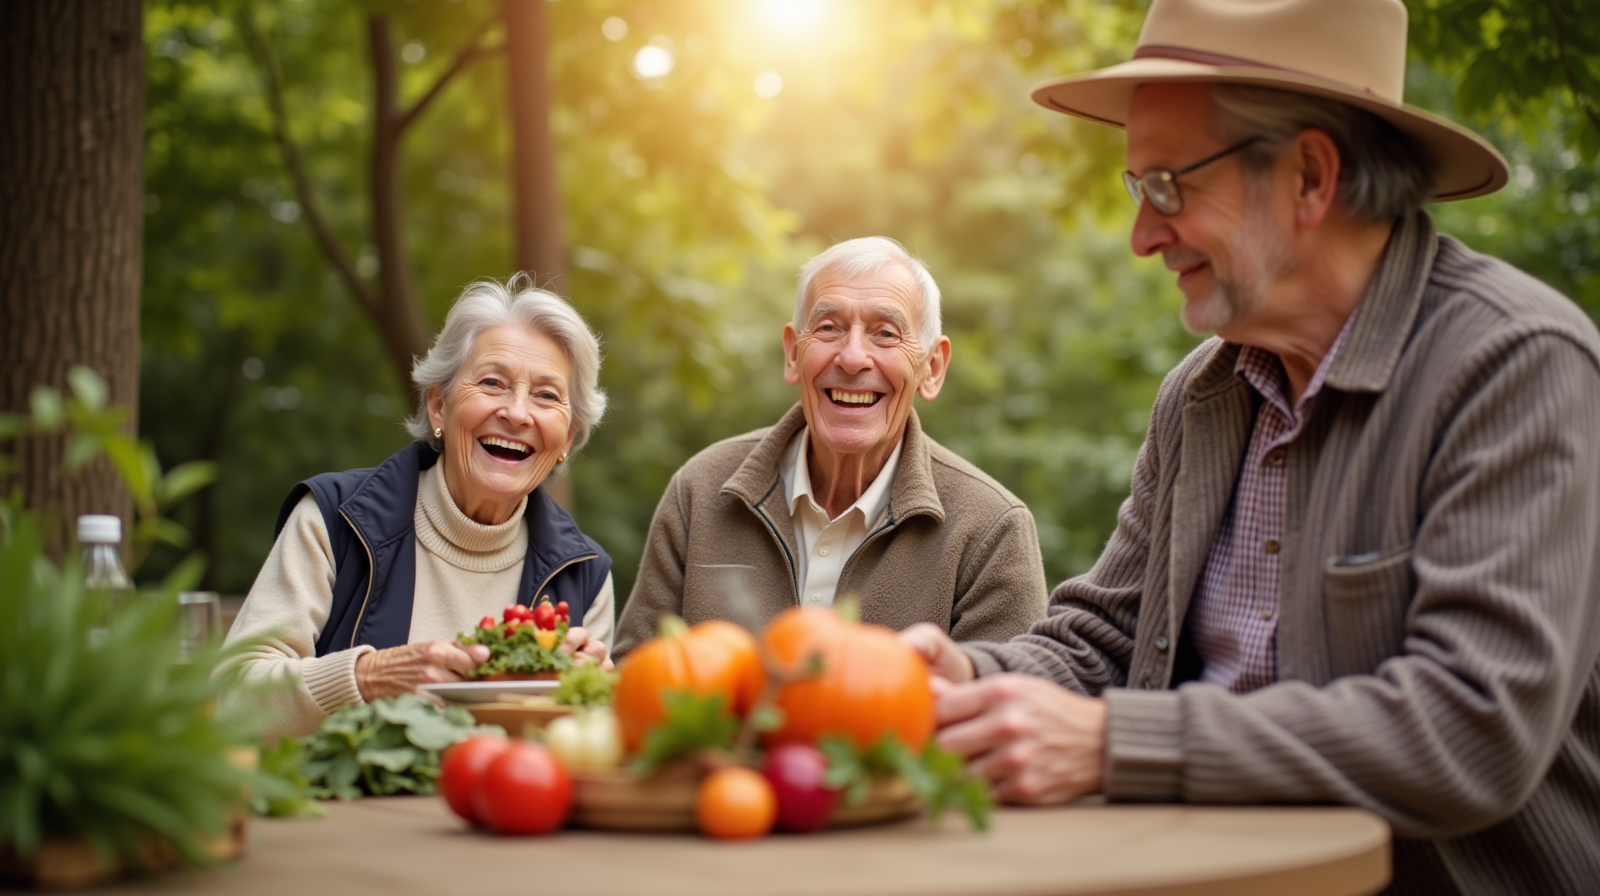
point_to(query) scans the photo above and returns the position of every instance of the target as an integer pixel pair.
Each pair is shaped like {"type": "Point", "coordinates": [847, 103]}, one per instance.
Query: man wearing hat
{"type": "Point", "coordinates": [1360, 560]}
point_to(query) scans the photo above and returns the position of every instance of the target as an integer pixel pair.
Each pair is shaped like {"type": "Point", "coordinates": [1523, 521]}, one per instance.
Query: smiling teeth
{"type": "Point", "coordinates": [504, 443]}
{"type": "Point", "coordinates": [844, 397]}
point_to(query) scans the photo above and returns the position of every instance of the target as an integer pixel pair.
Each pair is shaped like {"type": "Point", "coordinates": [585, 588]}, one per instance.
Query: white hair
{"type": "Point", "coordinates": [867, 255]}
{"type": "Point", "coordinates": [487, 304]}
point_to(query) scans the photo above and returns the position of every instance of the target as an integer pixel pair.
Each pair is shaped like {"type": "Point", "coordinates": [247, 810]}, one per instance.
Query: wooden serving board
{"type": "Point", "coordinates": [516, 716]}
{"type": "Point", "coordinates": [618, 801]}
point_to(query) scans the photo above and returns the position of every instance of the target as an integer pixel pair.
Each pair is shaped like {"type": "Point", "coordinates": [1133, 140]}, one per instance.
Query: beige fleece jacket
{"type": "Point", "coordinates": [465, 570]}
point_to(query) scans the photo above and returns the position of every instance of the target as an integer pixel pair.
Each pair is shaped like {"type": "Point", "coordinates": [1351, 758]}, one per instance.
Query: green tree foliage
{"type": "Point", "coordinates": [691, 198]}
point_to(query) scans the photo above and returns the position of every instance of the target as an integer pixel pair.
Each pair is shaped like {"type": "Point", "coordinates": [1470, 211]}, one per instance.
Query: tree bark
{"type": "Point", "coordinates": [72, 219]}
{"type": "Point", "coordinates": [540, 247]}
{"type": "Point", "coordinates": [398, 313]}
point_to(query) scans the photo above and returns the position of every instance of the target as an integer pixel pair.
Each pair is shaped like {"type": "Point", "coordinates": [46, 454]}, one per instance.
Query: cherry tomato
{"type": "Point", "coordinates": [524, 790]}
{"type": "Point", "coordinates": [561, 610]}
{"type": "Point", "coordinates": [796, 772]}
{"type": "Point", "coordinates": [487, 622]}
{"type": "Point", "coordinates": [462, 766]}
{"type": "Point", "coordinates": [735, 803]}
{"type": "Point", "coordinates": [544, 616]}
{"type": "Point", "coordinates": [511, 613]}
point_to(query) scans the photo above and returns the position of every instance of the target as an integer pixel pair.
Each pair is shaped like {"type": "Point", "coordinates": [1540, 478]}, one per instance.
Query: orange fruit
{"type": "Point", "coordinates": [735, 804]}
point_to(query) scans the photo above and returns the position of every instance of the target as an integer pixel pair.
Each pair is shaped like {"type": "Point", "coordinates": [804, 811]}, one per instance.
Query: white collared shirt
{"type": "Point", "coordinates": [826, 544]}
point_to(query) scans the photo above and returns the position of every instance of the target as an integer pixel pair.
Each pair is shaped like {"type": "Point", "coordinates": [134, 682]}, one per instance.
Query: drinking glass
{"type": "Point", "coordinates": [199, 619]}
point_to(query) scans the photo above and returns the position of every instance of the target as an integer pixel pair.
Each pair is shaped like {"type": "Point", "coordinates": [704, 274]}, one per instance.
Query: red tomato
{"type": "Point", "coordinates": [562, 610]}
{"type": "Point", "coordinates": [510, 613]}
{"type": "Point", "coordinates": [544, 616]}
{"type": "Point", "coordinates": [462, 766]}
{"type": "Point", "coordinates": [487, 622]}
{"type": "Point", "coordinates": [524, 790]}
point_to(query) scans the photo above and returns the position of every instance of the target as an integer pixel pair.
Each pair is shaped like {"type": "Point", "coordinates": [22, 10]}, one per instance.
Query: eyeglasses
{"type": "Point", "coordinates": [1160, 185]}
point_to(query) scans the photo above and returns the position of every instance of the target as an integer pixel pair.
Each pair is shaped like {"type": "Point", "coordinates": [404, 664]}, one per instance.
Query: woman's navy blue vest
{"type": "Point", "coordinates": [369, 516]}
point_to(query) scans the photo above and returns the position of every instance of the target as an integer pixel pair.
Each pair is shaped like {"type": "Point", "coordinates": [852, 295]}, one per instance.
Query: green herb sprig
{"type": "Point", "coordinates": [692, 723]}
{"type": "Point", "coordinates": [938, 777]}
{"type": "Point", "coordinates": [585, 684]}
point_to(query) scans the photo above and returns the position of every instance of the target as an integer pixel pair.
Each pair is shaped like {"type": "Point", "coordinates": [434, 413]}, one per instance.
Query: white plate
{"type": "Point", "coordinates": [488, 691]}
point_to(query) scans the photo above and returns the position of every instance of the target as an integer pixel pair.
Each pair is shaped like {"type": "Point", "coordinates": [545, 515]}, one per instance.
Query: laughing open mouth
{"type": "Point", "coordinates": [505, 449]}
{"type": "Point", "coordinates": [854, 399]}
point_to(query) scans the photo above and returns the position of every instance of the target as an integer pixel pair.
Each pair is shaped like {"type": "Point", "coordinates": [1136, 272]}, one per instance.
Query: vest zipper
{"type": "Point", "coordinates": [557, 570]}
{"type": "Point", "coordinates": [371, 570]}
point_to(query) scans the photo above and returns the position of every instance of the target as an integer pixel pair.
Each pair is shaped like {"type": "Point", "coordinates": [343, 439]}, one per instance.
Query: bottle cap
{"type": "Point", "coordinates": [99, 528]}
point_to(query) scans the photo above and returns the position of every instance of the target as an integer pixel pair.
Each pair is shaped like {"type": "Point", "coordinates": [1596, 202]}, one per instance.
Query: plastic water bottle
{"type": "Point", "coordinates": [100, 535]}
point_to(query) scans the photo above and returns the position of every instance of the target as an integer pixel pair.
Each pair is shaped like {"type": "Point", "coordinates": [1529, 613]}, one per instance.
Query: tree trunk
{"type": "Point", "coordinates": [541, 251]}
{"type": "Point", "coordinates": [540, 248]}
{"type": "Point", "coordinates": [72, 219]}
{"type": "Point", "coordinates": [398, 313]}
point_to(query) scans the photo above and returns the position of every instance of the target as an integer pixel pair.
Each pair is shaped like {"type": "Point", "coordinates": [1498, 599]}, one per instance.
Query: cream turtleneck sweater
{"type": "Point", "coordinates": [465, 570]}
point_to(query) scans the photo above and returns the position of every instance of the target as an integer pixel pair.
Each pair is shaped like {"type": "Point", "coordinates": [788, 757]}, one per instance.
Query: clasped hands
{"type": "Point", "coordinates": [1036, 742]}
{"type": "Point", "coordinates": [399, 670]}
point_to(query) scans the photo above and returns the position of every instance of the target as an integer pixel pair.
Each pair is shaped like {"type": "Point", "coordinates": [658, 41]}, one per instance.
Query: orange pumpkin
{"type": "Point", "coordinates": [714, 657]}
{"type": "Point", "coordinates": [871, 683]}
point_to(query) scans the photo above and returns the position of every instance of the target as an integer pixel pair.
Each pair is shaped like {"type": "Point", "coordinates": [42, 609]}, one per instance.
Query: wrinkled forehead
{"type": "Point", "coordinates": [891, 290]}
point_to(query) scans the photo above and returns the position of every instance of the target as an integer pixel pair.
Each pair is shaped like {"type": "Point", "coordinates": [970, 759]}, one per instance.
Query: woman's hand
{"type": "Point", "coordinates": [945, 660]}
{"type": "Point", "coordinates": [585, 650]}
{"type": "Point", "coordinates": [398, 670]}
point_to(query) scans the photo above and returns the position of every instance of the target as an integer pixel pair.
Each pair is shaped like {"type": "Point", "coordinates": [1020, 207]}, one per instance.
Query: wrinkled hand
{"type": "Point", "coordinates": [944, 659]}
{"type": "Point", "coordinates": [398, 670]}
{"type": "Point", "coordinates": [1036, 742]}
{"type": "Point", "coordinates": [584, 650]}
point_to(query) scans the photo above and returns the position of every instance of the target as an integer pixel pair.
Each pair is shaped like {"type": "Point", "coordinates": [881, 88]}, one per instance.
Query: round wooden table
{"type": "Point", "coordinates": [402, 845]}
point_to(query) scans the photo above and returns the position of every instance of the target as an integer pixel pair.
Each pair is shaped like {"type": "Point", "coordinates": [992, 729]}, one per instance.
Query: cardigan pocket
{"type": "Point", "coordinates": [1368, 595]}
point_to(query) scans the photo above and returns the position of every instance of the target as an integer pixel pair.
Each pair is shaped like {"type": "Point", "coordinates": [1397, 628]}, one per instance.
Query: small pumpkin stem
{"type": "Point", "coordinates": [671, 626]}
{"type": "Point", "coordinates": [848, 608]}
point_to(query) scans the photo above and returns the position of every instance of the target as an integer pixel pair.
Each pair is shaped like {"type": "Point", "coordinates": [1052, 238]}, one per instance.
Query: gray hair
{"type": "Point", "coordinates": [1384, 174]}
{"type": "Point", "coordinates": [487, 304]}
{"type": "Point", "coordinates": [867, 255]}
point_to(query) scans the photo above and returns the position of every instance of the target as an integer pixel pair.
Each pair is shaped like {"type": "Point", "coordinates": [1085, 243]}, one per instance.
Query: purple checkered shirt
{"type": "Point", "coordinates": [1235, 613]}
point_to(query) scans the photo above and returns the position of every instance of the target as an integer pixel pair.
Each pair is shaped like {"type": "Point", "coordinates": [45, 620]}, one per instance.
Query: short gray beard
{"type": "Point", "coordinates": [1261, 254]}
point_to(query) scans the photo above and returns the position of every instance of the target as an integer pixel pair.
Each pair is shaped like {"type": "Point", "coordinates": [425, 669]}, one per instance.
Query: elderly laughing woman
{"type": "Point", "coordinates": [374, 571]}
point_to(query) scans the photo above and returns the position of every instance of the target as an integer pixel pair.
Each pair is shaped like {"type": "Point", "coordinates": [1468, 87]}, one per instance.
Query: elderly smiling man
{"type": "Point", "coordinates": [1360, 562]}
{"type": "Point", "coordinates": [846, 495]}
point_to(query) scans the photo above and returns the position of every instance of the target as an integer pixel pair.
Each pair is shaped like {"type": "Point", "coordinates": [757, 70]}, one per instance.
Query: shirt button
{"type": "Point", "coordinates": [816, 598]}
{"type": "Point", "coordinates": [1161, 642]}
{"type": "Point", "coordinates": [1266, 612]}
{"type": "Point", "coordinates": [823, 550]}
{"type": "Point", "coordinates": [1272, 546]}
{"type": "Point", "coordinates": [1276, 457]}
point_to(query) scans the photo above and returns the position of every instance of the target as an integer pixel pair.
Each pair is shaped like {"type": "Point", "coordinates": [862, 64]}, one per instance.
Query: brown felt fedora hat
{"type": "Point", "coordinates": [1348, 50]}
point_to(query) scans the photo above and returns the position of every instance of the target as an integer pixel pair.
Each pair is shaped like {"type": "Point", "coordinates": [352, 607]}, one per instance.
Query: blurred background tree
{"type": "Point", "coordinates": [703, 149]}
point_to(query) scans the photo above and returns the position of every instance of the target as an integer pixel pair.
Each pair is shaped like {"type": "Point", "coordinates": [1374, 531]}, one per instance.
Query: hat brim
{"type": "Point", "coordinates": [1467, 164]}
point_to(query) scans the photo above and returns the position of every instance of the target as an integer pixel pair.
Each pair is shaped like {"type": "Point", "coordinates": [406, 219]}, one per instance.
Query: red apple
{"type": "Point", "coordinates": [796, 772]}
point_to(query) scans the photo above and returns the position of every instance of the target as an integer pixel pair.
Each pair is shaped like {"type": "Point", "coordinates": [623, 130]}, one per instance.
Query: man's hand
{"type": "Point", "coordinates": [1036, 742]}
{"type": "Point", "coordinates": [944, 659]}
{"type": "Point", "coordinates": [398, 670]}
{"type": "Point", "coordinates": [585, 650]}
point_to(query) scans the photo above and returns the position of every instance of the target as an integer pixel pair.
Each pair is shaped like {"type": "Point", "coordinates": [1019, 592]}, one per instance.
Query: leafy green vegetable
{"type": "Point", "coordinates": [692, 723]}
{"type": "Point", "coordinates": [385, 747]}
{"type": "Point", "coordinates": [515, 650]}
{"type": "Point", "coordinates": [938, 777]}
{"type": "Point", "coordinates": [280, 788]}
{"type": "Point", "coordinates": [585, 684]}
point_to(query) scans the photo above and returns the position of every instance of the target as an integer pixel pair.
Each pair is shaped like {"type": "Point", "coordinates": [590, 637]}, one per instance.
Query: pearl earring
{"type": "Point", "coordinates": [438, 433]}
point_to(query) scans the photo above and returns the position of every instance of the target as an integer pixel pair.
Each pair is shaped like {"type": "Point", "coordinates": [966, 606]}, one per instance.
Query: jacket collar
{"type": "Point", "coordinates": [382, 509]}
{"type": "Point", "coordinates": [913, 491]}
{"type": "Point", "coordinates": [1388, 310]}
